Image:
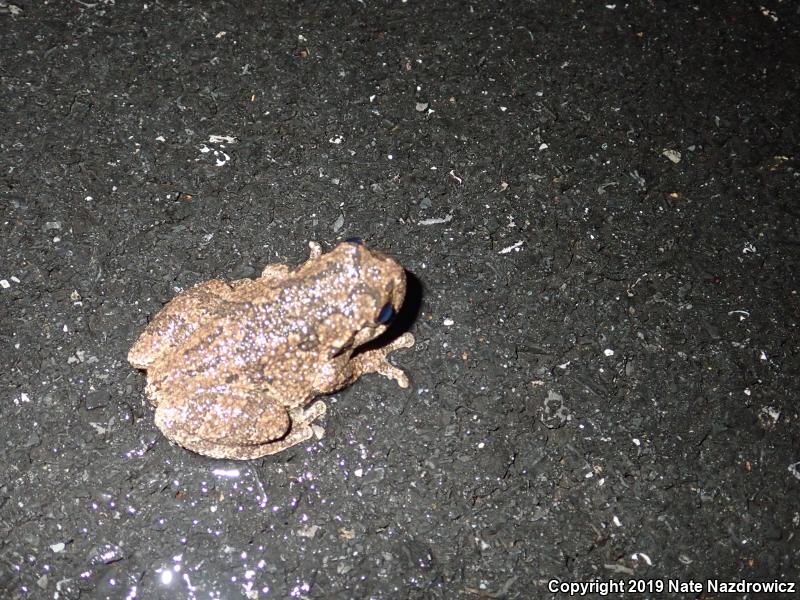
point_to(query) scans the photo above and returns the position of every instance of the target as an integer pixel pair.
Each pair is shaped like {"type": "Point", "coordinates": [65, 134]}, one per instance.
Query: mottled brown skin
{"type": "Point", "coordinates": [233, 368]}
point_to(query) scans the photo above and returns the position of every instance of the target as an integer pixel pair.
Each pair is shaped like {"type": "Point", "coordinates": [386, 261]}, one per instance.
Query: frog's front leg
{"type": "Point", "coordinates": [337, 374]}
{"type": "Point", "coordinates": [237, 424]}
{"type": "Point", "coordinates": [278, 272]}
{"type": "Point", "coordinates": [374, 361]}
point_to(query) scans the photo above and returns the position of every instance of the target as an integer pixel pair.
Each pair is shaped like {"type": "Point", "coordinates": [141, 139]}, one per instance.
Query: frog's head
{"type": "Point", "coordinates": [368, 291]}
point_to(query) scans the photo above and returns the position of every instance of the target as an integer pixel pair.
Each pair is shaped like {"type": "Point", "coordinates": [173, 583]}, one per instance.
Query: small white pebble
{"type": "Point", "coordinates": [637, 442]}
{"type": "Point", "coordinates": [448, 322]}
{"type": "Point", "coordinates": [508, 249]}
{"type": "Point", "coordinates": [308, 532]}
{"type": "Point", "coordinates": [4, 284]}
{"type": "Point", "coordinates": [771, 412]}
{"type": "Point", "coordinates": [608, 352]}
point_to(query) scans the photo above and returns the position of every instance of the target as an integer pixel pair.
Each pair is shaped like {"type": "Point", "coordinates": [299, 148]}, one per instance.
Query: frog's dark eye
{"type": "Point", "coordinates": [355, 240]}
{"type": "Point", "coordinates": [386, 314]}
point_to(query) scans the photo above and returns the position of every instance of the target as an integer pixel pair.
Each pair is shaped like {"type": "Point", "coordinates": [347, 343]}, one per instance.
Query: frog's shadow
{"type": "Point", "coordinates": [404, 319]}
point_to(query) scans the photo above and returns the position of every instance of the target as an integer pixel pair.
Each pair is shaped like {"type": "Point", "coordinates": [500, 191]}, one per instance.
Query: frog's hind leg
{"type": "Point", "coordinates": [178, 320]}
{"type": "Point", "coordinates": [236, 425]}
{"type": "Point", "coordinates": [302, 429]}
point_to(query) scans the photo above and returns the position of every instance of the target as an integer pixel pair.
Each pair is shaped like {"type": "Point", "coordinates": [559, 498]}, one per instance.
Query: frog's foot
{"type": "Point", "coordinates": [315, 250]}
{"type": "Point", "coordinates": [278, 272]}
{"type": "Point", "coordinates": [275, 272]}
{"type": "Point", "coordinates": [374, 361]}
{"type": "Point", "coordinates": [303, 419]}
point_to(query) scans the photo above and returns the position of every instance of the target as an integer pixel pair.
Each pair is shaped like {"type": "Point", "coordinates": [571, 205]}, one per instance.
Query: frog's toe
{"type": "Point", "coordinates": [387, 369]}
{"type": "Point", "coordinates": [315, 250]}
{"type": "Point", "coordinates": [310, 413]}
{"type": "Point", "coordinates": [318, 430]}
{"type": "Point", "coordinates": [391, 372]}
{"type": "Point", "coordinates": [404, 341]}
